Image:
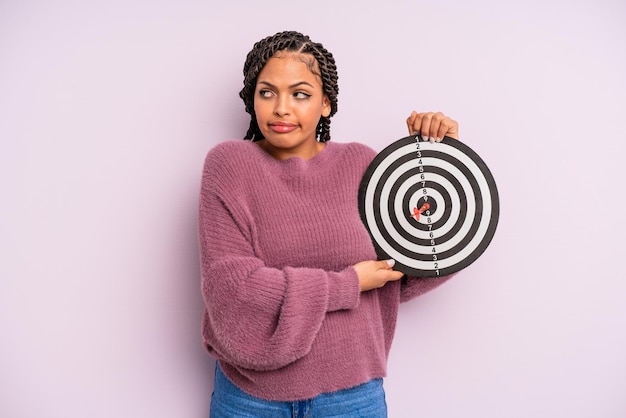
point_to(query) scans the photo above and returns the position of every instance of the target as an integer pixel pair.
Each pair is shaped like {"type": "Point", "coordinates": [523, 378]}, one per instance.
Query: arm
{"type": "Point", "coordinates": [257, 316]}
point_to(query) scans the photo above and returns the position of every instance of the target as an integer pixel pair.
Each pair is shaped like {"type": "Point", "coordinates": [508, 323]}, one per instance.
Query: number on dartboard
{"type": "Point", "coordinates": [425, 196]}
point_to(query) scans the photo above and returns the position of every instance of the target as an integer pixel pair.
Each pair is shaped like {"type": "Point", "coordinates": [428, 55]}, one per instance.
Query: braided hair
{"type": "Point", "coordinates": [290, 41]}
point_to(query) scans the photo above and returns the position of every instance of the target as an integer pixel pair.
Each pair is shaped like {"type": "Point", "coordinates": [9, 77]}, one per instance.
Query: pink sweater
{"type": "Point", "coordinates": [278, 239]}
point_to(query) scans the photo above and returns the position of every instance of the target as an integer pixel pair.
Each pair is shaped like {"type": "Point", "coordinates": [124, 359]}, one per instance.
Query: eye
{"type": "Point", "coordinates": [265, 93]}
{"type": "Point", "coordinates": [301, 95]}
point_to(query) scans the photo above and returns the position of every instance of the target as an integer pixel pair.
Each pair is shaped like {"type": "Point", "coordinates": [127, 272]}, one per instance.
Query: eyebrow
{"type": "Point", "coordinates": [298, 84]}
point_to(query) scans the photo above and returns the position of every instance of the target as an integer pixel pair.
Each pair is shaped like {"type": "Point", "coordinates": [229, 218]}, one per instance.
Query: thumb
{"type": "Point", "coordinates": [388, 264]}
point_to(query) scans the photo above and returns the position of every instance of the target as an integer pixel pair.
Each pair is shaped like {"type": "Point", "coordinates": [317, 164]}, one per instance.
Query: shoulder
{"type": "Point", "coordinates": [230, 163]}
{"type": "Point", "coordinates": [230, 155]}
{"type": "Point", "coordinates": [225, 151]}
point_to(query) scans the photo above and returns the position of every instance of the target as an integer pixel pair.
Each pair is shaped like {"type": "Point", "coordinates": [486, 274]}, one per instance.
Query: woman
{"type": "Point", "coordinates": [299, 313]}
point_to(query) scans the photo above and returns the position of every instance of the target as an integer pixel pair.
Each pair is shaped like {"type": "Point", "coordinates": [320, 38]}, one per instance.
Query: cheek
{"type": "Point", "coordinates": [259, 110]}
{"type": "Point", "coordinates": [314, 113]}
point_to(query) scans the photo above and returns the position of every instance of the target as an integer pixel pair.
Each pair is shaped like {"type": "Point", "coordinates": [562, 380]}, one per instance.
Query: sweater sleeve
{"type": "Point", "coordinates": [413, 287]}
{"type": "Point", "coordinates": [259, 317]}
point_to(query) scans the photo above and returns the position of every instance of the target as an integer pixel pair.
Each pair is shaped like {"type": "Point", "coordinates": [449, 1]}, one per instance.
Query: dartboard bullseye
{"type": "Point", "coordinates": [432, 207]}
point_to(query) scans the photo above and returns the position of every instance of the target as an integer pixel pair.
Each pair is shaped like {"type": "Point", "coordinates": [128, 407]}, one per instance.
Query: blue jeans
{"type": "Point", "coordinates": [363, 401]}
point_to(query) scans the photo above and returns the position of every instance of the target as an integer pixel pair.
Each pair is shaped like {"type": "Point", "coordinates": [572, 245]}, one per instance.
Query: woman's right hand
{"type": "Point", "coordinates": [374, 274]}
{"type": "Point", "coordinates": [432, 125]}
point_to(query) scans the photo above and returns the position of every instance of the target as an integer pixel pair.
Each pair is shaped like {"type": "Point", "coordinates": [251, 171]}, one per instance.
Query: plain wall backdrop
{"type": "Point", "coordinates": [107, 110]}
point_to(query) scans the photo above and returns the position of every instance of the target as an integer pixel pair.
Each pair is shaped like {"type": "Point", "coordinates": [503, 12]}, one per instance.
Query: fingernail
{"type": "Point", "coordinates": [438, 139]}
{"type": "Point", "coordinates": [432, 140]}
{"type": "Point", "coordinates": [391, 262]}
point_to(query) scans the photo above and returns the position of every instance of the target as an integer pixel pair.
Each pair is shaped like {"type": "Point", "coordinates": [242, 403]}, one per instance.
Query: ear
{"type": "Point", "coordinates": [326, 106]}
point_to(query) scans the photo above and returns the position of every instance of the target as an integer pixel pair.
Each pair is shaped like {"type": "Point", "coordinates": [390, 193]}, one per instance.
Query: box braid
{"type": "Point", "coordinates": [290, 41]}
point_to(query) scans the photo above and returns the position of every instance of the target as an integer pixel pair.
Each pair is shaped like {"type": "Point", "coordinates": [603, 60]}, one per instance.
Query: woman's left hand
{"type": "Point", "coordinates": [432, 126]}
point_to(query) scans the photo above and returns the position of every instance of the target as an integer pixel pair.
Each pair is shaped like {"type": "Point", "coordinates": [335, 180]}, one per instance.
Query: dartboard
{"type": "Point", "coordinates": [432, 207]}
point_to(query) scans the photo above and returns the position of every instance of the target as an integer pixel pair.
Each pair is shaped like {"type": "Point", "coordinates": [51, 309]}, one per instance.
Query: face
{"type": "Point", "coordinates": [288, 103]}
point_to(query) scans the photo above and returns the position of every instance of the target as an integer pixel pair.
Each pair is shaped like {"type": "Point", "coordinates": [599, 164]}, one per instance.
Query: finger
{"type": "Point", "coordinates": [395, 275]}
{"type": "Point", "coordinates": [410, 121]}
{"type": "Point", "coordinates": [425, 127]}
{"type": "Point", "coordinates": [441, 126]}
{"type": "Point", "coordinates": [443, 129]}
{"type": "Point", "coordinates": [387, 264]}
{"type": "Point", "coordinates": [416, 125]}
{"type": "Point", "coordinates": [392, 275]}
{"type": "Point", "coordinates": [435, 127]}
{"type": "Point", "coordinates": [448, 127]}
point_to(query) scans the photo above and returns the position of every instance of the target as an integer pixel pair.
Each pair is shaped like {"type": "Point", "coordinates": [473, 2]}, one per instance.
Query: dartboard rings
{"type": "Point", "coordinates": [432, 207]}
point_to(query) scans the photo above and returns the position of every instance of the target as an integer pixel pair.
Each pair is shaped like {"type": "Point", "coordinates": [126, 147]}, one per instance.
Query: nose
{"type": "Point", "coordinates": [281, 106]}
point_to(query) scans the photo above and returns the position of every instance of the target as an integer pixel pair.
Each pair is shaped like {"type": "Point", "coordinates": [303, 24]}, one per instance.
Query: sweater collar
{"type": "Point", "coordinates": [320, 159]}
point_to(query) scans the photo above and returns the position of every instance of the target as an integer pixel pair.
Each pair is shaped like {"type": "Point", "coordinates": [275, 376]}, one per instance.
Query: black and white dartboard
{"type": "Point", "coordinates": [432, 207]}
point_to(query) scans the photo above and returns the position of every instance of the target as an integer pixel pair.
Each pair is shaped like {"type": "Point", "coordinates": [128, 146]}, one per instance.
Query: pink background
{"type": "Point", "coordinates": [108, 108]}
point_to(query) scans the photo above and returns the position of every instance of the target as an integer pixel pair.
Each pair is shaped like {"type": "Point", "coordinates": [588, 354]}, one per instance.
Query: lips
{"type": "Point", "coordinates": [282, 127]}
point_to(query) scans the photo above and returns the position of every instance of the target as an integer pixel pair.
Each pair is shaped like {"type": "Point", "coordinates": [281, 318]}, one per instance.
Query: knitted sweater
{"type": "Point", "coordinates": [278, 238]}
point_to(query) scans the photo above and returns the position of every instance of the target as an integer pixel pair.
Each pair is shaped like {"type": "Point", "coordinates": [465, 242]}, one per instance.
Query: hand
{"type": "Point", "coordinates": [375, 274]}
{"type": "Point", "coordinates": [432, 126]}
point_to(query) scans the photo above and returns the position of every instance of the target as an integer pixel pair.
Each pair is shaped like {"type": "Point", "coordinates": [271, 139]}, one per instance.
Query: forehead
{"type": "Point", "coordinates": [289, 66]}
